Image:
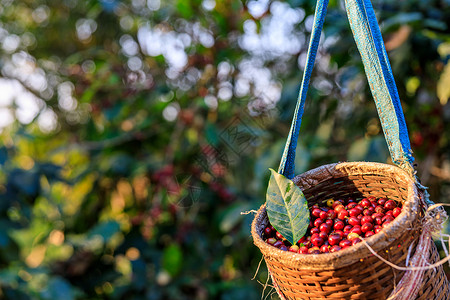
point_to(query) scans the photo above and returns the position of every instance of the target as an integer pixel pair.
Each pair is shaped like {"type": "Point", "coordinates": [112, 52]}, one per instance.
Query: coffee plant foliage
{"type": "Point", "coordinates": [134, 133]}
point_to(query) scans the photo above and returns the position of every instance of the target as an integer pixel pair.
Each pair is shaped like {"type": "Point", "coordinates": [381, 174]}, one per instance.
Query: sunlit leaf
{"type": "Point", "coordinates": [286, 207]}
{"type": "Point", "coordinates": [443, 86]}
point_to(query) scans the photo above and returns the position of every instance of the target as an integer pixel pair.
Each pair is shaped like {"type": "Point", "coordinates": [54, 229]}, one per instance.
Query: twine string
{"type": "Point", "coordinates": [266, 284]}
{"type": "Point", "coordinates": [257, 269]}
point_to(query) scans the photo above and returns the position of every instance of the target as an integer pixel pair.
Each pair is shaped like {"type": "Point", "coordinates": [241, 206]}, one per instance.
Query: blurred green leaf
{"type": "Point", "coordinates": [172, 259]}
{"type": "Point", "coordinates": [185, 8]}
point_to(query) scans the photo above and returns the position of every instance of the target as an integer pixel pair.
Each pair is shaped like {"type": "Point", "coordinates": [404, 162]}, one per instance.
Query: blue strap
{"type": "Point", "coordinates": [381, 80]}
{"type": "Point", "coordinates": [379, 74]}
{"type": "Point", "coordinates": [288, 159]}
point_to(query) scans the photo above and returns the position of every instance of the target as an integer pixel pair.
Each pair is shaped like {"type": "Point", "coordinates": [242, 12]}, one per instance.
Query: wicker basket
{"type": "Point", "coordinates": [353, 273]}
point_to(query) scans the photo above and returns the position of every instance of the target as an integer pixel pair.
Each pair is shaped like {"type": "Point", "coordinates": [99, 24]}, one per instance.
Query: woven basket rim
{"type": "Point", "coordinates": [348, 256]}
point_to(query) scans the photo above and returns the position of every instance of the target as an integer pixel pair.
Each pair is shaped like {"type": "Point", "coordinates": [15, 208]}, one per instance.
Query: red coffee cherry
{"type": "Point", "coordinates": [379, 209]}
{"type": "Point", "coordinates": [268, 231]}
{"type": "Point", "coordinates": [366, 219]}
{"type": "Point", "coordinates": [396, 211]}
{"type": "Point", "coordinates": [325, 248]}
{"type": "Point", "coordinates": [338, 208]}
{"type": "Point", "coordinates": [329, 222]}
{"type": "Point", "coordinates": [387, 218]}
{"type": "Point", "coordinates": [325, 228]}
{"type": "Point", "coordinates": [365, 203]}
{"type": "Point", "coordinates": [314, 230]}
{"type": "Point", "coordinates": [390, 204]}
{"type": "Point", "coordinates": [334, 239]}
{"type": "Point", "coordinates": [351, 205]}
{"type": "Point", "coordinates": [371, 198]}
{"type": "Point", "coordinates": [369, 233]}
{"type": "Point", "coordinates": [336, 203]}
{"type": "Point", "coordinates": [341, 233]}
{"type": "Point", "coordinates": [343, 214]}
{"type": "Point", "coordinates": [331, 214]}
{"type": "Point", "coordinates": [303, 250]}
{"type": "Point", "coordinates": [317, 241]}
{"type": "Point", "coordinates": [390, 213]}
{"type": "Point", "coordinates": [339, 225]}
{"type": "Point", "coordinates": [318, 222]}
{"type": "Point", "coordinates": [354, 212]}
{"type": "Point", "coordinates": [367, 212]}
{"type": "Point", "coordinates": [345, 243]}
{"type": "Point", "coordinates": [382, 201]}
{"type": "Point", "coordinates": [335, 248]}
{"type": "Point", "coordinates": [323, 235]}
{"type": "Point", "coordinates": [356, 229]}
{"type": "Point", "coordinates": [316, 212]}
{"type": "Point", "coordinates": [347, 228]}
{"type": "Point", "coordinates": [366, 227]}
{"type": "Point", "coordinates": [354, 221]}
{"type": "Point", "coordinates": [360, 208]}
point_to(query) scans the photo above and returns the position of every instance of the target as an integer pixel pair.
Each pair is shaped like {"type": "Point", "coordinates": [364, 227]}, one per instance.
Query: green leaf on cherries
{"type": "Point", "coordinates": [286, 207]}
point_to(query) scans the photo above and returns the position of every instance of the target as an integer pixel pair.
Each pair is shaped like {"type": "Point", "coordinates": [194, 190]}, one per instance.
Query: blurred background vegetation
{"type": "Point", "coordinates": [133, 133]}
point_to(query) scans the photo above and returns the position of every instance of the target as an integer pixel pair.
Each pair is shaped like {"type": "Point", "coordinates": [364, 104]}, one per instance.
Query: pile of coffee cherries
{"type": "Point", "coordinates": [338, 224]}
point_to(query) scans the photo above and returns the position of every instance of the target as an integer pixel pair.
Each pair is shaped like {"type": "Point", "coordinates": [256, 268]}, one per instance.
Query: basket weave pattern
{"type": "Point", "coordinates": [353, 273]}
